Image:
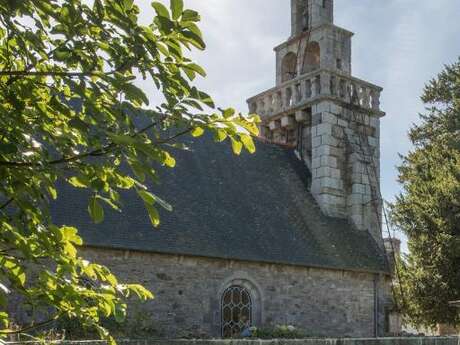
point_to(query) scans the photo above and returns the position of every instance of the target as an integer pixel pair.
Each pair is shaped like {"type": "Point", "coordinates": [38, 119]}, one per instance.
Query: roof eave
{"type": "Point", "coordinates": [261, 261]}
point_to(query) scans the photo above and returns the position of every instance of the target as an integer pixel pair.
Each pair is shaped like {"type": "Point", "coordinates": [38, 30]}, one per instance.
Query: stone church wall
{"type": "Point", "coordinates": [188, 289]}
{"type": "Point", "coordinates": [378, 341]}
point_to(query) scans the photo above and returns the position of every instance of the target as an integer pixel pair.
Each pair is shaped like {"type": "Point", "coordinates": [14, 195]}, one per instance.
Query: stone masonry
{"type": "Point", "coordinates": [381, 341]}
{"type": "Point", "coordinates": [188, 294]}
{"type": "Point", "coordinates": [330, 117]}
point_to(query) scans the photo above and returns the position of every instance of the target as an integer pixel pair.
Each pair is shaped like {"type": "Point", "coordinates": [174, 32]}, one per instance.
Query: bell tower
{"type": "Point", "coordinates": [330, 118]}
{"type": "Point", "coordinates": [308, 14]}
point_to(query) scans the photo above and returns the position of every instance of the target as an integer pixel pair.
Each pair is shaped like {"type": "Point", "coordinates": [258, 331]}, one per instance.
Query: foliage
{"type": "Point", "coordinates": [138, 325]}
{"type": "Point", "coordinates": [278, 332]}
{"type": "Point", "coordinates": [69, 71]}
{"type": "Point", "coordinates": [428, 210]}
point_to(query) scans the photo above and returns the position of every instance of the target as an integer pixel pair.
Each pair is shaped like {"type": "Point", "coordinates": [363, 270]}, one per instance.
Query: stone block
{"type": "Point", "coordinates": [287, 122]}
{"type": "Point", "coordinates": [316, 187]}
{"type": "Point", "coordinates": [332, 191]}
{"type": "Point", "coordinates": [317, 141]}
{"type": "Point", "coordinates": [329, 201]}
{"type": "Point", "coordinates": [359, 168]}
{"type": "Point", "coordinates": [316, 162]}
{"type": "Point", "coordinates": [328, 161]}
{"type": "Point", "coordinates": [358, 188]}
{"type": "Point", "coordinates": [374, 122]}
{"type": "Point", "coordinates": [356, 178]}
{"type": "Point", "coordinates": [316, 119]}
{"type": "Point", "coordinates": [367, 189]}
{"type": "Point", "coordinates": [329, 140]}
{"type": "Point", "coordinates": [335, 173]}
{"type": "Point", "coordinates": [355, 199]}
{"type": "Point", "coordinates": [323, 107]}
{"type": "Point", "coordinates": [329, 118]}
{"type": "Point", "coordinates": [315, 173]}
{"type": "Point", "coordinates": [328, 182]}
{"type": "Point", "coordinates": [324, 172]}
{"type": "Point", "coordinates": [356, 209]}
{"type": "Point", "coordinates": [338, 132]}
{"type": "Point", "coordinates": [335, 109]}
{"type": "Point", "coordinates": [313, 131]}
{"type": "Point", "coordinates": [365, 179]}
{"type": "Point", "coordinates": [323, 150]}
{"type": "Point", "coordinates": [358, 221]}
{"type": "Point", "coordinates": [342, 123]}
{"type": "Point", "coordinates": [373, 142]}
{"type": "Point", "coordinates": [324, 128]}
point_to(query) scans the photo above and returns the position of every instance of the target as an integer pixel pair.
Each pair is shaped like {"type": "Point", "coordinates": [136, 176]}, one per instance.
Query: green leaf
{"type": "Point", "coordinates": [119, 312]}
{"type": "Point", "coordinates": [167, 206]}
{"type": "Point", "coordinates": [228, 113]}
{"type": "Point", "coordinates": [248, 143]}
{"type": "Point", "coordinates": [190, 15]}
{"type": "Point", "coordinates": [128, 4]}
{"type": "Point", "coordinates": [71, 234]}
{"type": "Point", "coordinates": [135, 94]}
{"type": "Point", "coordinates": [237, 146]}
{"type": "Point", "coordinates": [79, 181]}
{"type": "Point", "coordinates": [169, 161]}
{"type": "Point", "coordinates": [153, 215]}
{"type": "Point", "coordinates": [146, 196]}
{"type": "Point", "coordinates": [196, 68]}
{"type": "Point", "coordinates": [140, 291]}
{"type": "Point", "coordinates": [197, 132]}
{"type": "Point", "coordinates": [52, 191]}
{"type": "Point", "coordinates": [161, 9]}
{"type": "Point", "coordinates": [95, 210]}
{"type": "Point", "coordinates": [177, 7]}
{"type": "Point", "coordinates": [220, 135]}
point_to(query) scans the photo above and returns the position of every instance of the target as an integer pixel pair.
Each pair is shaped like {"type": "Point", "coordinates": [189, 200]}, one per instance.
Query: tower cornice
{"type": "Point", "coordinates": [308, 33]}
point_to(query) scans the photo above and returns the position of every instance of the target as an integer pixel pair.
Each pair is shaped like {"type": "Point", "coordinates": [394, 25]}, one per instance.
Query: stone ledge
{"type": "Point", "coordinates": [319, 341]}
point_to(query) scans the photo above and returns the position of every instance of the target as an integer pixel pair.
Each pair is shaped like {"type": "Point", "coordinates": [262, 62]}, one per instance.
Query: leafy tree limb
{"type": "Point", "coordinates": [71, 112]}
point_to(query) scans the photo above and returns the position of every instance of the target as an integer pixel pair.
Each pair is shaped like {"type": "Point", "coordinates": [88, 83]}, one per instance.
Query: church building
{"type": "Point", "coordinates": [288, 236]}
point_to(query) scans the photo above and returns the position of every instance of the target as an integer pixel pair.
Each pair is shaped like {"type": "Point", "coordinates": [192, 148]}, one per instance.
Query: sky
{"type": "Point", "coordinates": [398, 44]}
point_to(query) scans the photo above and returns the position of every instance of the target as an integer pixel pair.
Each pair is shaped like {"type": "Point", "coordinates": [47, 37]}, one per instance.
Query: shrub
{"type": "Point", "coordinates": [278, 332]}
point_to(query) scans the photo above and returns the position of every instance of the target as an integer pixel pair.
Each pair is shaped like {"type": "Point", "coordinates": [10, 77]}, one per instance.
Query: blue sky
{"type": "Point", "coordinates": [398, 44]}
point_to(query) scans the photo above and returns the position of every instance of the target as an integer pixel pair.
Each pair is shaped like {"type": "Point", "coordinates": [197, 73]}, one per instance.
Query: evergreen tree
{"type": "Point", "coordinates": [428, 209]}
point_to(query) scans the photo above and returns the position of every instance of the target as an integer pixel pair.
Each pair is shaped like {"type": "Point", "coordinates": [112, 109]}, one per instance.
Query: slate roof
{"type": "Point", "coordinates": [252, 207]}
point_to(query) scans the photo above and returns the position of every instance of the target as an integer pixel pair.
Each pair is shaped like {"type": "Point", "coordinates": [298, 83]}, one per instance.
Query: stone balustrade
{"type": "Point", "coordinates": [298, 92]}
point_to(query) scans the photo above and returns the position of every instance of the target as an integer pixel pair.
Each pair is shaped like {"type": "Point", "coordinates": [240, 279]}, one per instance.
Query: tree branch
{"type": "Point", "coordinates": [27, 73]}
{"type": "Point", "coordinates": [30, 66]}
{"type": "Point", "coordinates": [50, 74]}
{"type": "Point", "coordinates": [175, 136]}
{"type": "Point", "coordinates": [30, 327]}
{"type": "Point", "coordinates": [94, 153]}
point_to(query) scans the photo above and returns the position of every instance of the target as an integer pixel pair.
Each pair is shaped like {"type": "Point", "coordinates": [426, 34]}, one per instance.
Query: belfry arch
{"type": "Point", "coordinates": [311, 58]}
{"type": "Point", "coordinates": [289, 67]}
